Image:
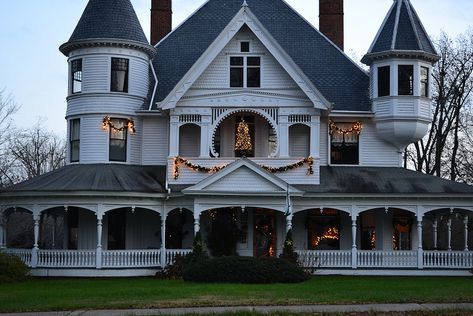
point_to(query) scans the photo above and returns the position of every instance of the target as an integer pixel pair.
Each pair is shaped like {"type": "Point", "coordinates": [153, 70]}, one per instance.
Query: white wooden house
{"type": "Point", "coordinates": [243, 122]}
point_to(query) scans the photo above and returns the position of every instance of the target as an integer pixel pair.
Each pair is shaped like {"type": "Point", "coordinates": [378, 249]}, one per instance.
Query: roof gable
{"type": "Point", "coordinates": [242, 176]}
{"type": "Point", "coordinates": [337, 78]}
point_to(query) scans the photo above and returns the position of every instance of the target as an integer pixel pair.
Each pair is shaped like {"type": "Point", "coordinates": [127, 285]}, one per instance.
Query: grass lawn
{"type": "Point", "coordinates": [73, 294]}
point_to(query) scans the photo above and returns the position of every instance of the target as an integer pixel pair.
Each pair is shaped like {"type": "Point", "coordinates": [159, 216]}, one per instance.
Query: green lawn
{"type": "Point", "coordinates": [71, 294]}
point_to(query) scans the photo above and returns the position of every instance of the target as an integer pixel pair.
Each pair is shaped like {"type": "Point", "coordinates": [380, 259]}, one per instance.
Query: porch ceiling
{"type": "Point", "coordinates": [96, 177]}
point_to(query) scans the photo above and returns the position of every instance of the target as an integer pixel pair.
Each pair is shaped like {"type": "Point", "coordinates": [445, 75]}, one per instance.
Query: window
{"type": "Point", "coordinates": [405, 80]}
{"type": "Point", "coordinates": [245, 47]}
{"type": "Point", "coordinates": [118, 134]}
{"type": "Point", "coordinates": [384, 81]}
{"type": "Point", "coordinates": [344, 143]}
{"type": "Point", "coordinates": [323, 230]}
{"type": "Point", "coordinates": [74, 140]}
{"type": "Point", "coordinates": [424, 82]}
{"type": "Point", "coordinates": [245, 72]}
{"type": "Point", "coordinates": [76, 75]}
{"type": "Point", "coordinates": [119, 78]}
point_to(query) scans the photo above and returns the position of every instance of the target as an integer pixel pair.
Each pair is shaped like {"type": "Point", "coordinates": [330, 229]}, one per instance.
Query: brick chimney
{"type": "Point", "coordinates": [161, 19]}
{"type": "Point", "coordinates": [331, 20]}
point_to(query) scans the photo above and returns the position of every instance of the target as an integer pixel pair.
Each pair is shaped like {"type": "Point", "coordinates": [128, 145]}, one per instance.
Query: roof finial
{"type": "Point", "coordinates": [244, 4]}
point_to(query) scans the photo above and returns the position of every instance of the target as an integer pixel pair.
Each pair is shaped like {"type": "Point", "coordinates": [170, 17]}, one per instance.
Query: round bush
{"type": "Point", "coordinates": [243, 270]}
{"type": "Point", "coordinates": [12, 269]}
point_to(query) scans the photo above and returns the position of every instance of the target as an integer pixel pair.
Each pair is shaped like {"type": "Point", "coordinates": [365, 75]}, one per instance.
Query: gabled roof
{"type": "Point", "coordinates": [339, 80]}
{"type": "Point", "coordinates": [401, 32]}
{"type": "Point", "coordinates": [96, 178]}
{"type": "Point", "coordinates": [107, 20]}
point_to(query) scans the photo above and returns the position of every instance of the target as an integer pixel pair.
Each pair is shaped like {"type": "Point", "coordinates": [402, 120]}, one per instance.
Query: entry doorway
{"type": "Point", "coordinates": [264, 234]}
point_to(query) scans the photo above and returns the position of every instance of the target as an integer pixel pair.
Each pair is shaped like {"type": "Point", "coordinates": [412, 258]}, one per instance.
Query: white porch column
{"type": "Point", "coordinates": [420, 249]}
{"type": "Point", "coordinates": [98, 258]}
{"type": "Point", "coordinates": [66, 228]}
{"type": "Point", "coordinates": [283, 136]}
{"type": "Point", "coordinates": [289, 222]}
{"type": "Point", "coordinates": [204, 136]}
{"type": "Point", "coordinates": [54, 232]}
{"type": "Point", "coordinates": [465, 223]}
{"type": "Point", "coordinates": [354, 250]}
{"type": "Point", "coordinates": [174, 136]}
{"type": "Point", "coordinates": [435, 226]}
{"type": "Point", "coordinates": [449, 238]}
{"type": "Point", "coordinates": [34, 252]}
{"type": "Point", "coordinates": [163, 239]}
{"type": "Point", "coordinates": [314, 136]}
{"type": "Point", "coordinates": [196, 223]}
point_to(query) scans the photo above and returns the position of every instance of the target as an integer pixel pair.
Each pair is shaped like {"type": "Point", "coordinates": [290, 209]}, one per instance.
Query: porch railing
{"type": "Point", "coordinates": [66, 258]}
{"type": "Point", "coordinates": [448, 259]}
{"type": "Point", "coordinates": [324, 258]}
{"type": "Point", "coordinates": [23, 254]}
{"type": "Point", "coordinates": [386, 259]}
{"type": "Point", "coordinates": [131, 258]}
{"type": "Point", "coordinates": [171, 254]}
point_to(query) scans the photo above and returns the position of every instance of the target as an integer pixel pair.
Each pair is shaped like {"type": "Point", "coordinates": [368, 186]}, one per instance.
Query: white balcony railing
{"type": "Point", "coordinates": [325, 258]}
{"type": "Point", "coordinates": [66, 258]}
{"type": "Point", "coordinates": [386, 259]}
{"type": "Point", "coordinates": [171, 254]}
{"type": "Point", "coordinates": [23, 254]}
{"type": "Point", "coordinates": [131, 258]}
{"type": "Point", "coordinates": [448, 259]}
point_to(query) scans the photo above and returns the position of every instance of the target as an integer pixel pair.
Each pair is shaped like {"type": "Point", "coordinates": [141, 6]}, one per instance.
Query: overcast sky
{"type": "Point", "coordinates": [35, 72]}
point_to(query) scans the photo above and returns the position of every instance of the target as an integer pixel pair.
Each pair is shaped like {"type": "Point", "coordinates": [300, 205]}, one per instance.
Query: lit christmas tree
{"type": "Point", "coordinates": [243, 138]}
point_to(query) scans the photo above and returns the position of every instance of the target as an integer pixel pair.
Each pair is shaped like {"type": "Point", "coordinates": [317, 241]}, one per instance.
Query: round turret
{"type": "Point", "coordinates": [109, 63]}
{"type": "Point", "coordinates": [401, 59]}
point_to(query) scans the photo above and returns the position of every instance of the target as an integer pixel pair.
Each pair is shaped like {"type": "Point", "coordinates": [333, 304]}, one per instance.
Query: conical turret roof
{"type": "Point", "coordinates": [107, 21]}
{"type": "Point", "coordinates": [401, 33]}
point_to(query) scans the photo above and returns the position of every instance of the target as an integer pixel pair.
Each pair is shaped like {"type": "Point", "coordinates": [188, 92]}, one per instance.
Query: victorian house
{"type": "Point", "coordinates": [243, 122]}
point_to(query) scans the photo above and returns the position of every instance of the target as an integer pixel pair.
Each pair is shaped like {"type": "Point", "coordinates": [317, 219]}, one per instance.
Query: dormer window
{"type": "Point", "coordinates": [424, 82]}
{"type": "Point", "coordinates": [245, 72]}
{"type": "Point", "coordinates": [384, 81]}
{"type": "Point", "coordinates": [405, 80]}
{"type": "Point", "coordinates": [344, 142]}
{"type": "Point", "coordinates": [76, 75]}
{"type": "Point", "coordinates": [119, 76]}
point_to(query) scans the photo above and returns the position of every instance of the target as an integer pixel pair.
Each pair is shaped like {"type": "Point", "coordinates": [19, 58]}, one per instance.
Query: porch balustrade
{"type": "Point", "coordinates": [66, 258]}
{"type": "Point", "coordinates": [325, 258]}
{"type": "Point", "coordinates": [131, 258]}
{"type": "Point", "coordinates": [448, 259]}
{"type": "Point", "coordinates": [386, 259]}
{"type": "Point", "coordinates": [23, 254]}
{"type": "Point", "coordinates": [171, 254]}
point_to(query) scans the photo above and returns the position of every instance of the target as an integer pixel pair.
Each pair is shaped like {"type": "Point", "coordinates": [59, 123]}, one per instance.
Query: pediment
{"type": "Point", "coordinates": [242, 177]}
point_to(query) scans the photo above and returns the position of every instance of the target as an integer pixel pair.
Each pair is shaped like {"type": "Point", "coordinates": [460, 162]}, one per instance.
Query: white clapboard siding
{"type": "Point", "coordinates": [323, 142]}
{"type": "Point", "coordinates": [104, 103]}
{"type": "Point", "coordinates": [155, 142]}
{"type": "Point", "coordinates": [95, 73]}
{"type": "Point", "coordinates": [374, 151]}
{"type": "Point", "coordinates": [94, 140]}
{"type": "Point", "coordinates": [217, 74]}
{"type": "Point", "coordinates": [138, 79]}
{"type": "Point", "coordinates": [299, 140]}
{"type": "Point", "coordinates": [189, 140]}
{"type": "Point", "coordinates": [243, 180]}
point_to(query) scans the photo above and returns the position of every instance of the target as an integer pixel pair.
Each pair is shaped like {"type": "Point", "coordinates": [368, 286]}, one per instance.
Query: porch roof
{"type": "Point", "coordinates": [382, 180]}
{"type": "Point", "coordinates": [97, 177]}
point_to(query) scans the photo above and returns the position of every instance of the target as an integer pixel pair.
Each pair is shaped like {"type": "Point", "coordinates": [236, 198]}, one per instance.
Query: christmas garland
{"type": "Point", "coordinates": [130, 125]}
{"type": "Point", "coordinates": [181, 161]}
{"type": "Point", "coordinates": [356, 128]}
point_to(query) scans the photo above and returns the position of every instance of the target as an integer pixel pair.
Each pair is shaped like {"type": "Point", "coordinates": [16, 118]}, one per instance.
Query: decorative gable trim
{"type": "Point", "coordinates": [206, 186]}
{"type": "Point", "coordinates": [245, 17]}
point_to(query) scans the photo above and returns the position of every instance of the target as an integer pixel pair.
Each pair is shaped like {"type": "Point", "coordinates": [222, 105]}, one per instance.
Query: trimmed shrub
{"type": "Point", "coordinates": [12, 269]}
{"type": "Point", "coordinates": [243, 270]}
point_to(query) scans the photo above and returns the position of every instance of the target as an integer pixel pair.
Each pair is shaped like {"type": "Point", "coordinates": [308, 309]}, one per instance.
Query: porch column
{"type": "Point", "coordinates": [98, 258]}
{"type": "Point", "coordinates": [420, 250]}
{"type": "Point", "coordinates": [54, 232]}
{"type": "Point", "coordinates": [354, 250]}
{"type": "Point", "coordinates": [465, 223]}
{"type": "Point", "coordinates": [314, 136]}
{"type": "Point", "coordinates": [289, 222]}
{"type": "Point", "coordinates": [34, 253]}
{"type": "Point", "coordinates": [449, 238]}
{"type": "Point", "coordinates": [283, 136]}
{"type": "Point", "coordinates": [196, 223]}
{"type": "Point", "coordinates": [435, 225]}
{"type": "Point", "coordinates": [204, 136]}
{"type": "Point", "coordinates": [174, 136]}
{"type": "Point", "coordinates": [163, 239]}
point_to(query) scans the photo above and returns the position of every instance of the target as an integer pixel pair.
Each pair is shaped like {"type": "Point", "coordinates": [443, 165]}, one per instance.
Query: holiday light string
{"type": "Point", "coordinates": [182, 161]}
{"type": "Point", "coordinates": [107, 122]}
{"type": "Point", "coordinates": [356, 128]}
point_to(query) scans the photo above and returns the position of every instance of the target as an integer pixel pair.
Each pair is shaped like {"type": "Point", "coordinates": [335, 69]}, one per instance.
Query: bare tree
{"type": "Point", "coordinates": [36, 151]}
{"type": "Point", "coordinates": [8, 107]}
{"type": "Point", "coordinates": [441, 152]}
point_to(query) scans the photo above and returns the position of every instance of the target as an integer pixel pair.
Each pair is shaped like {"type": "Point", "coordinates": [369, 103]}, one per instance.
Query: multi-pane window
{"type": "Point", "coordinates": [405, 80]}
{"type": "Point", "coordinates": [119, 76]}
{"type": "Point", "coordinates": [245, 71]}
{"type": "Point", "coordinates": [344, 143]}
{"type": "Point", "coordinates": [384, 81]}
{"type": "Point", "coordinates": [76, 75]}
{"type": "Point", "coordinates": [424, 82]}
{"type": "Point", "coordinates": [74, 140]}
{"type": "Point", "coordinates": [118, 135]}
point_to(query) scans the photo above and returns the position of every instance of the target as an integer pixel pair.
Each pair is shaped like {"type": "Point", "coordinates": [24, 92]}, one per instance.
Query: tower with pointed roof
{"type": "Point", "coordinates": [109, 58]}
{"type": "Point", "coordinates": [401, 59]}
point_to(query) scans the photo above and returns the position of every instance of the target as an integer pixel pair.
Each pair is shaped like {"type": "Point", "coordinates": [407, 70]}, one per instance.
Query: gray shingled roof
{"type": "Point", "coordinates": [97, 178]}
{"type": "Point", "coordinates": [382, 180]}
{"type": "Point", "coordinates": [331, 72]}
{"type": "Point", "coordinates": [401, 31]}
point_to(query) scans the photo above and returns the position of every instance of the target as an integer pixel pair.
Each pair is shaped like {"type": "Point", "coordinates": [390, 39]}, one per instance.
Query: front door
{"type": "Point", "coordinates": [264, 234]}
